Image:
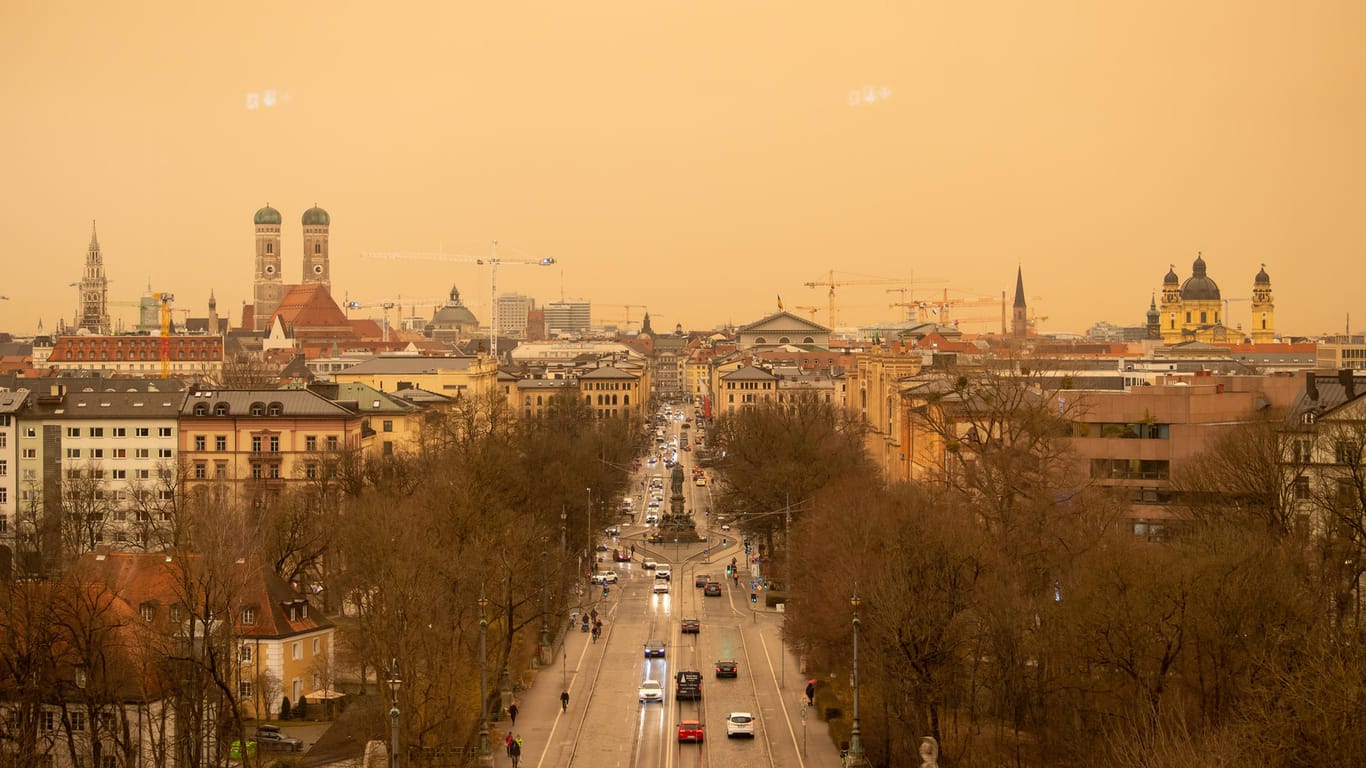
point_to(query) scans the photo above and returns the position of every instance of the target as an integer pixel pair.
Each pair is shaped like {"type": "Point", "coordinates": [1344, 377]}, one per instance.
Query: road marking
{"type": "Point", "coordinates": [792, 732]}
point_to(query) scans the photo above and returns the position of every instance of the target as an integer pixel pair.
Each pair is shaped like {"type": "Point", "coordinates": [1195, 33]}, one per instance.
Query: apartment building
{"type": "Point", "coordinates": [11, 404]}
{"type": "Point", "coordinates": [96, 468]}
{"type": "Point", "coordinates": [252, 445]}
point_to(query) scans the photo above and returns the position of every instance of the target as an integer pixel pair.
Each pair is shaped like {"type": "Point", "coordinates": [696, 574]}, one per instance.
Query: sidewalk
{"type": "Point", "coordinates": [539, 717]}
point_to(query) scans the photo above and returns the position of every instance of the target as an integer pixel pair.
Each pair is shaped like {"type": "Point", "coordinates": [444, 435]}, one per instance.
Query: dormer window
{"type": "Point", "coordinates": [275, 409]}
{"type": "Point", "coordinates": [258, 409]}
{"type": "Point", "coordinates": [201, 409]}
{"type": "Point", "coordinates": [220, 409]}
{"type": "Point", "coordinates": [248, 616]}
{"type": "Point", "coordinates": [148, 611]}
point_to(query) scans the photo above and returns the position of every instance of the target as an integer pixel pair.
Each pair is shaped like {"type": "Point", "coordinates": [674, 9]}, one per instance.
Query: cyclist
{"type": "Point", "coordinates": [564, 701]}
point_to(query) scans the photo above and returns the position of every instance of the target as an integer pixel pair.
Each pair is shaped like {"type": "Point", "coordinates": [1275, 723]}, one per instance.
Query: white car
{"type": "Point", "coordinates": [661, 587]}
{"type": "Point", "coordinates": [651, 519]}
{"type": "Point", "coordinates": [664, 571]}
{"type": "Point", "coordinates": [739, 724]}
{"type": "Point", "coordinates": [605, 577]}
{"type": "Point", "coordinates": [651, 690]}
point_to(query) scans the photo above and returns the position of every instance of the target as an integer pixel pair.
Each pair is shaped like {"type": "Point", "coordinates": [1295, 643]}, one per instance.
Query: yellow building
{"type": "Point", "coordinates": [468, 377]}
{"type": "Point", "coordinates": [609, 391]}
{"type": "Point", "coordinates": [252, 444]}
{"type": "Point", "coordinates": [1195, 310]}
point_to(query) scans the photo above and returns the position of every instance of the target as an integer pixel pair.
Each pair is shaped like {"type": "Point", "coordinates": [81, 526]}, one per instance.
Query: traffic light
{"type": "Point", "coordinates": [753, 597]}
{"type": "Point", "coordinates": [723, 541]}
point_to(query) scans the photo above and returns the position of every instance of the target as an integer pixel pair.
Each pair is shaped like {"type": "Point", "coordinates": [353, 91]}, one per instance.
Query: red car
{"type": "Point", "coordinates": [621, 556]}
{"type": "Point", "coordinates": [690, 730]}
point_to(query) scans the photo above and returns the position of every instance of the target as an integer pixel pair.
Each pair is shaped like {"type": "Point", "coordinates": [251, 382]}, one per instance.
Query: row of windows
{"type": "Point", "coordinates": [1130, 469]}
{"type": "Point", "coordinates": [785, 340]}
{"type": "Point", "coordinates": [117, 453]}
{"type": "Point", "coordinates": [749, 385]}
{"type": "Point", "coordinates": [1127, 431]}
{"type": "Point", "coordinates": [607, 400]}
{"type": "Point", "coordinates": [119, 354]}
{"type": "Point", "coordinates": [258, 408]}
{"type": "Point", "coordinates": [99, 432]}
{"type": "Point", "coordinates": [610, 385]}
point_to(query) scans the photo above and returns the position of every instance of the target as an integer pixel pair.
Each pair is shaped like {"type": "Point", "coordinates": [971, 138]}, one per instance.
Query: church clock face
{"type": "Point", "coordinates": [270, 269]}
{"type": "Point", "coordinates": [317, 269]}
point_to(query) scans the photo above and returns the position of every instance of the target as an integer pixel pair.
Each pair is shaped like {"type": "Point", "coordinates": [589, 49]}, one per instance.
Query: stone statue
{"type": "Point", "coordinates": [676, 479]}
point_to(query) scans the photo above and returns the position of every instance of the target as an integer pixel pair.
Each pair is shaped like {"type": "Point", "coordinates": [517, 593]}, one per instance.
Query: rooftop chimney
{"type": "Point", "coordinates": [1348, 382]}
{"type": "Point", "coordinates": [1311, 387]}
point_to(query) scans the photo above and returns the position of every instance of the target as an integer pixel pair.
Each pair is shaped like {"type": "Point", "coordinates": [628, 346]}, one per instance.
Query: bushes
{"type": "Point", "coordinates": [284, 709]}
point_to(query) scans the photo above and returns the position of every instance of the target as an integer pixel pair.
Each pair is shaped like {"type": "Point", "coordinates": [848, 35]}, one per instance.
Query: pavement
{"type": "Point", "coordinates": [544, 727]}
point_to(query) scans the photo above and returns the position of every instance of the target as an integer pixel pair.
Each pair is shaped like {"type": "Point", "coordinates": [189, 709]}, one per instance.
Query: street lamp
{"type": "Point", "coordinates": [545, 606]}
{"type": "Point", "coordinates": [485, 749]}
{"type": "Point", "coordinates": [856, 758]}
{"type": "Point", "coordinates": [592, 556]}
{"type": "Point", "coordinates": [394, 682]}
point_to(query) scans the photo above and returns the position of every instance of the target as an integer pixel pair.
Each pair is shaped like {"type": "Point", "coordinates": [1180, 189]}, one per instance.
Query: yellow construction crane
{"type": "Point", "coordinates": [492, 261]}
{"type": "Point", "coordinates": [165, 300]}
{"type": "Point", "coordinates": [388, 304]}
{"type": "Point", "coordinates": [832, 283]}
{"type": "Point", "coordinates": [808, 310]}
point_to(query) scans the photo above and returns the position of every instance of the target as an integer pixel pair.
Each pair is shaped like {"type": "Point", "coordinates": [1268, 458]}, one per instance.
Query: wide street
{"type": "Point", "coordinates": [606, 724]}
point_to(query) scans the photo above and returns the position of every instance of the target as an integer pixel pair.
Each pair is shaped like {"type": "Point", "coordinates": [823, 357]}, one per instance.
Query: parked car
{"type": "Point", "coordinates": [727, 668]}
{"type": "Point", "coordinates": [272, 738]}
{"type": "Point", "coordinates": [740, 724]}
{"type": "Point", "coordinates": [692, 626]}
{"type": "Point", "coordinates": [690, 731]}
{"type": "Point", "coordinates": [651, 690]}
{"type": "Point", "coordinates": [654, 648]}
{"type": "Point", "coordinates": [713, 589]}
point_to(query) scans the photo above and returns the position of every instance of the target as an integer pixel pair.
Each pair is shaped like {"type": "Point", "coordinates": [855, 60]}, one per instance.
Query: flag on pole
{"type": "Point", "coordinates": [780, 301]}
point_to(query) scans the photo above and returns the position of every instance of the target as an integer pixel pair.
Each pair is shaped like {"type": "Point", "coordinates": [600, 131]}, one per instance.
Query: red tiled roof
{"type": "Point", "coordinates": [310, 306]}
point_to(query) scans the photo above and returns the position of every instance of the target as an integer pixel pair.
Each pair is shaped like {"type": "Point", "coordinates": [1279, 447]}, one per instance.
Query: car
{"type": "Point", "coordinates": [661, 588]}
{"type": "Point", "coordinates": [651, 690]}
{"type": "Point", "coordinates": [272, 738]}
{"type": "Point", "coordinates": [740, 724]}
{"type": "Point", "coordinates": [725, 527]}
{"type": "Point", "coordinates": [605, 577]}
{"type": "Point", "coordinates": [603, 547]}
{"type": "Point", "coordinates": [613, 531]}
{"type": "Point", "coordinates": [700, 580]}
{"type": "Point", "coordinates": [651, 519]}
{"type": "Point", "coordinates": [688, 685]}
{"type": "Point", "coordinates": [727, 668]}
{"type": "Point", "coordinates": [648, 565]}
{"type": "Point", "coordinates": [654, 648]}
{"type": "Point", "coordinates": [691, 731]}
{"type": "Point", "coordinates": [621, 556]}
{"type": "Point", "coordinates": [692, 626]}
{"type": "Point", "coordinates": [664, 571]}
{"type": "Point", "coordinates": [701, 482]}
{"type": "Point", "coordinates": [713, 589]}
{"type": "Point", "coordinates": [652, 461]}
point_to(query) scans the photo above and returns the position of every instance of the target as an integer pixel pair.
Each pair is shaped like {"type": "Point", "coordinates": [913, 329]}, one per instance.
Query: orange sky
{"type": "Point", "coordinates": [695, 156]}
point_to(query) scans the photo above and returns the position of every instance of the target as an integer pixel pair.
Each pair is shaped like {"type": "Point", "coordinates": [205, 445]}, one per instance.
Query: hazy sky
{"type": "Point", "coordinates": [695, 156]}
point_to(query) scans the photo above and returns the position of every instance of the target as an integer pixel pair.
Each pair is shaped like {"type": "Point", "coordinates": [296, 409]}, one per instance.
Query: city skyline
{"type": "Point", "coordinates": [698, 160]}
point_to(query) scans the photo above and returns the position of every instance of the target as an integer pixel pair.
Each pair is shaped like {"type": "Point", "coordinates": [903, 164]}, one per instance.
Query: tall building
{"type": "Point", "coordinates": [513, 311]}
{"type": "Point", "coordinates": [567, 317]}
{"type": "Point", "coordinates": [93, 313]}
{"type": "Point", "coordinates": [316, 267]}
{"type": "Point", "coordinates": [1019, 318]}
{"type": "Point", "coordinates": [1263, 309]}
{"type": "Point", "coordinates": [268, 282]}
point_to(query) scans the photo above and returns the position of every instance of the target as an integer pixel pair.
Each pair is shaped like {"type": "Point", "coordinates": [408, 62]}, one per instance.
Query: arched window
{"type": "Point", "coordinates": [761, 340]}
{"type": "Point", "coordinates": [538, 399]}
{"type": "Point", "coordinates": [317, 247]}
{"type": "Point", "coordinates": [276, 409]}
{"type": "Point", "coordinates": [257, 409]}
{"type": "Point", "coordinates": [201, 409]}
{"type": "Point", "coordinates": [784, 340]}
{"type": "Point", "coordinates": [220, 409]}
{"type": "Point", "coordinates": [808, 340]}
{"type": "Point", "coordinates": [625, 399]}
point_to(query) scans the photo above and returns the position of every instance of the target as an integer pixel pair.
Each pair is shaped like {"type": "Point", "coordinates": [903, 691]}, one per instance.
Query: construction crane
{"type": "Point", "coordinates": [493, 261]}
{"type": "Point", "coordinates": [165, 300]}
{"type": "Point", "coordinates": [809, 310]}
{"type": "Point", "coordinates": [627, 307]}
{"type": "Point", "coordinates": [832, 283]}
{"type": "Point", "coordinates": [389, 304]}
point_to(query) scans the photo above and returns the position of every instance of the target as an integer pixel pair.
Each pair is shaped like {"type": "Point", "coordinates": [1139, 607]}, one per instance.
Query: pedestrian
{"type": "Point", "coordinates": [512, 712]}
{"type": "Point", "coordinates": [564, 701]}
{"type": "Point", "coordinates": [507, 743]}
{"type": "Point", "coordinates": [515, 750]}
